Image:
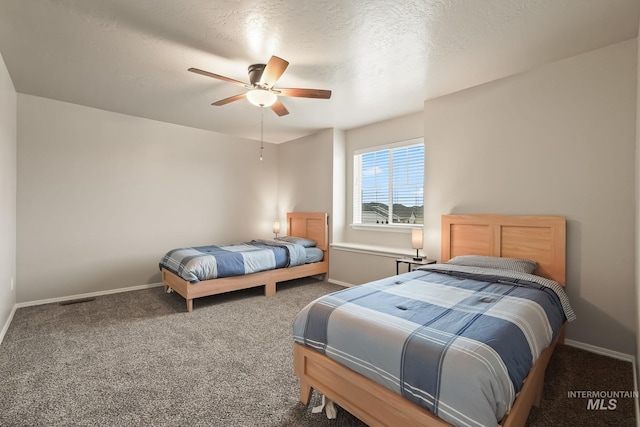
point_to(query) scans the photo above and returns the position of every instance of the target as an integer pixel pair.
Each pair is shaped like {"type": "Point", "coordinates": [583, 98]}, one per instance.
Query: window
{"type": "Point", "coordinates": [388, 184]}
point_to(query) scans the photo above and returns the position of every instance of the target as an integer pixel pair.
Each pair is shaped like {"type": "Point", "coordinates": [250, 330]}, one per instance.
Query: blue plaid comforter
{"type": "Point", "coordinates": [457, 341]}
{"type": "Point", "coordinates": [212, 262]}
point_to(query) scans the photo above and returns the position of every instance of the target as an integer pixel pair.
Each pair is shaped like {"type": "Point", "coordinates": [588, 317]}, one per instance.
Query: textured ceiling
{"type": "Point", "coordinates": [381, 58]}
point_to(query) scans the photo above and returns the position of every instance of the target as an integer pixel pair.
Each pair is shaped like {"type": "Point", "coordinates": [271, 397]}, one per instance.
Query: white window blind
{"type": "Point", "coordinates": [388, 184]}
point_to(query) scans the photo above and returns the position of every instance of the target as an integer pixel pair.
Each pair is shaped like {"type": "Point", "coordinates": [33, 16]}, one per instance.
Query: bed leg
{"type": "Point", "coordinates": [189, 305]}
{"type": "Point", "coordinates": [305, 392]}
{"type": "Point", "coordinates": [270, 289]}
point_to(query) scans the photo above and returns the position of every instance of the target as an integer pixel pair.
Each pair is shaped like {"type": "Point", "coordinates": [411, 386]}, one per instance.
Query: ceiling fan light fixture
{"type": "Point", "coordinates": [261, 97]}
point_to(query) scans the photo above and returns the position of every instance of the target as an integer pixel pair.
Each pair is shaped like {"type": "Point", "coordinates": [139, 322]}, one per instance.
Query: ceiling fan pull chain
{"type": "Point", "coordinates": [261, 131]}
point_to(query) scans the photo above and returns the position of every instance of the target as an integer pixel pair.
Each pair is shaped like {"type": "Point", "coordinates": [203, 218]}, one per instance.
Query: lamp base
{"type": "Point", "coordinates": [418, 258]}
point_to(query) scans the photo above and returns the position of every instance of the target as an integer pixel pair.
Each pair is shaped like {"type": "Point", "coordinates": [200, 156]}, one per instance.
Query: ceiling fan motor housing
{"type": "Point", "coordinates": [255, 73]}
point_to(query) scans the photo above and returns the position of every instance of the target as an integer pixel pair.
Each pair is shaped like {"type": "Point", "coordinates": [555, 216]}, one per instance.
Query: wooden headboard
{"type": "Point", "coordinates": [310, 225]}
{"type": "Point", "coordinates": [541, 238]}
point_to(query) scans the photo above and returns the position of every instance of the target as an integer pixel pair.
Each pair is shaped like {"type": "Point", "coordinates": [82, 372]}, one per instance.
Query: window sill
{"type": "Point", "coordinates": [398, 228]}
{"type": "Point", "coordinates": [373, 250]}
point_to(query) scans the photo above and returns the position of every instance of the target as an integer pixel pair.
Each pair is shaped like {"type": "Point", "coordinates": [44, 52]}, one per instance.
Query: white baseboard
{"type": "Point", "coordinates": [87, 295]}
{"type": "Point", "coordinates": [339, 283]}
{"type": "Point", "coordinates": [5, 328]}
{"type": "Point", "coordinates": [601, 350]}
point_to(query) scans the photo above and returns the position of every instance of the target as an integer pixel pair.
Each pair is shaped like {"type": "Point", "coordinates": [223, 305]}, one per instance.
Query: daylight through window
{"type": "Point", "coordinates": [389, 183]}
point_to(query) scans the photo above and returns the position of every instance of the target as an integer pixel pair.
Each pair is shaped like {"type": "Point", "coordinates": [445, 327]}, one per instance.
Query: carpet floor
{"type": "Point", "coordinates": [138, 359]}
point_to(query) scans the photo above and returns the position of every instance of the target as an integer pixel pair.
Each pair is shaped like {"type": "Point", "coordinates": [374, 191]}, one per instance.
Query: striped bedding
{"type": "Point", "coordinates": [212, 262]}
{"type": "Point", "coordinates": [458, 341]}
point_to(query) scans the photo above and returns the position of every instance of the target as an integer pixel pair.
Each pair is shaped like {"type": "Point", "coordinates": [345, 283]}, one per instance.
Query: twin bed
{"type": "Point", "coordinates": [462, 343]}
{"type": "Point", "coordinates": [211, 270]}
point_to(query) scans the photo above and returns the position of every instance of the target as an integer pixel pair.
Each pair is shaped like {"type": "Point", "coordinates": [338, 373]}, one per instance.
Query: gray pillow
{"type": "Point", "coordinates": [307, 243]}
{"type": "Point", "coordinates": [514, 264]}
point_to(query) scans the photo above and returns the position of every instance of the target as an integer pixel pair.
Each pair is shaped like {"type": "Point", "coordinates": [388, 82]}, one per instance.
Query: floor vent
{"type": "Point", "coordinates": [77, 301]}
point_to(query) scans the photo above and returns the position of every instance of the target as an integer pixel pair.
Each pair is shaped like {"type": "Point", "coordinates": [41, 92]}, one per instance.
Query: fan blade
{"type": "Point", "coordinates": [273, 71]}
{"type": "Point", "coordinates": [306, 93]}
{"type": "Point", "coordinates": [216, 76]}
{"type": "Point", "coordinates": [229, 99]}
{"type": "Point", "coordinates": [279, 108]}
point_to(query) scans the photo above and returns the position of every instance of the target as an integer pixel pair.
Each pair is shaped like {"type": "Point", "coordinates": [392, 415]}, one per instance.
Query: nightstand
{"type": "Point", "coordinates": [410, 261]}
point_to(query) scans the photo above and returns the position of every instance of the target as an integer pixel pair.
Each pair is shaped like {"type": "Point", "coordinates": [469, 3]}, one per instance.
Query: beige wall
{"type": "Point", "coordinates": [307, 179]}
{"type": "Point", "coordinates": [102, 196]}
{"type": "Point", "coordinates": [304, 174]}
{"type": "Point", "coordinates": [8, 141]}
{"type": "Point", "coordinates": [557, 140]}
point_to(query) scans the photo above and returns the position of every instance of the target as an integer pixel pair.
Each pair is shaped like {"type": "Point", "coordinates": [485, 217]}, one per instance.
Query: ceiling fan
{"type": "Point", "coordinates": [261, 93]}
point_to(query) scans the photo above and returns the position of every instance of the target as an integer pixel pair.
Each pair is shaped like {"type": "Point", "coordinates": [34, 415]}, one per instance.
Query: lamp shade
{"type": "Point", "coordinates": [261, 97]}
{"type": "Point", "coordinates": [416, 238]}
{"type": "Point", "coordinates": [276, 227]}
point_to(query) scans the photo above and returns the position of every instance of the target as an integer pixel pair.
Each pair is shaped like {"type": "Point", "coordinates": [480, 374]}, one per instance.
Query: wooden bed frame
{"type": "Point", "coordinates": [310, 225]}
{"type": "Point", "coordinates": [541, 238]}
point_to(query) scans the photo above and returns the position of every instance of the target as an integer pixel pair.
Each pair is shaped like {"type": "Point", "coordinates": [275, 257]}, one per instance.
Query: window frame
{"type": "Point", "coordinates": [356, 196]}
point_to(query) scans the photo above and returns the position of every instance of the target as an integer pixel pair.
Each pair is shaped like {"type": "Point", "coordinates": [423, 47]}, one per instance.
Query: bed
{"type": "Point", "coordinates": [311, 226]}
{"type": "Point", "coordinates": [539, 238]}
